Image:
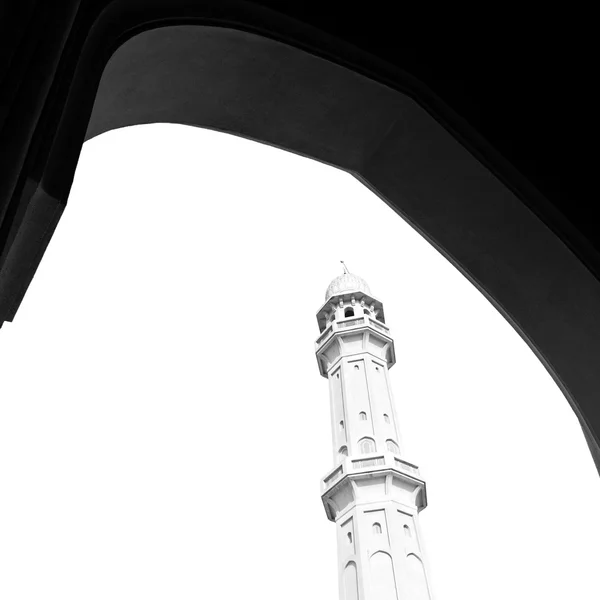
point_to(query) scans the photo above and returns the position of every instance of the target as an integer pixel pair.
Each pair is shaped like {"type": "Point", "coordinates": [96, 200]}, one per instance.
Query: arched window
{"type": "Point", "coordinates": [376, 528]}
{"type": "Point", "coordinates": [349, 537]}
{"type": "Point", "coordinates": [362, 416]}
{"type": "Point", "coordinates": [386, 418]}
{"type": "Point", "coordinates": [343, 451]}
{"type": "Point", "coordinates": [366, 445]}
{"type": "Point", "coordinates": [392, 446]}
{"type": "Point", "coordinates": [367, 311]}
{"type": "Point", "coordinates": [332, 318]}
{"type": "Point", "coordinates": [349, 312]}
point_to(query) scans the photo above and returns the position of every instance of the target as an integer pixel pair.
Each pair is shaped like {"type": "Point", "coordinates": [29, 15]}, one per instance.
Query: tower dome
{"type": "Point", "coordinates": [348, 282]}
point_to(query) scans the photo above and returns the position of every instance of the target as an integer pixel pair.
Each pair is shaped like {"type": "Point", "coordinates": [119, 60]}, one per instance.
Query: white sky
{"type": "Point", "coordinates": [164, 428]}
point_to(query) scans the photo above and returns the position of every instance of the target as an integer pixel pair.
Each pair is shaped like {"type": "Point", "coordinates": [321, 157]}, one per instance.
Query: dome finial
{"type": "Point", "coordinates": [346, 272]}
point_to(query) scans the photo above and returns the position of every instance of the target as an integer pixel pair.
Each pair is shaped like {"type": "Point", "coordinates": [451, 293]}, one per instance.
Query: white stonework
{"type": "Point", "coordinates": [372, 494]}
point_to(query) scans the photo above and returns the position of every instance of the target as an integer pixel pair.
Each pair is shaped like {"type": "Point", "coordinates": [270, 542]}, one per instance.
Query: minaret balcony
{"type": "Point", "coordinates": [387, 475]}
{"type": "Point", "coordinates": [365, 462]}
{"type": "Point", "coordinates": [342, 337]}
{"type": "Point", "coordinates": [352, 322]}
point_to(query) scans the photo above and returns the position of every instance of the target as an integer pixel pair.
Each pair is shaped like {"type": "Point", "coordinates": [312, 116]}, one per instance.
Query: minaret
{"type": "Point", "coordinates": [372, 494]}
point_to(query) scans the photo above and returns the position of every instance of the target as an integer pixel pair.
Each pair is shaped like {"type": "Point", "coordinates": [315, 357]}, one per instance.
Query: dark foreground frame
{"type": "Point", "coordinates": [87, 67]}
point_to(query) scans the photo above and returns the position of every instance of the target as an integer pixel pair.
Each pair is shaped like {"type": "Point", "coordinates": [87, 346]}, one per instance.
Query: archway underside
{"type": "Point", "coordinates": [251, 86]}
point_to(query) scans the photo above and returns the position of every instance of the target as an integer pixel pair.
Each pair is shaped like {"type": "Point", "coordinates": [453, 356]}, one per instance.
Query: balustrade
{"type": "Point", "coordinates": [333, 477]}
{"type": "Point", "coordinates": [368, 462]}
{"type": "Point", "coordinates": [406, 466]}
{"type": "Point", "coordinates": [350, 323]}
{"type": "Point", "coordinates": [325, 335]}
{"type": "Point", "coordinates": [379, 326]}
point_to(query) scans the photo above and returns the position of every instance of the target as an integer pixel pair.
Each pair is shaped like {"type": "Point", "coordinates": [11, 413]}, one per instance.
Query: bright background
{"type": "Point", "coordinates": [164, 428]}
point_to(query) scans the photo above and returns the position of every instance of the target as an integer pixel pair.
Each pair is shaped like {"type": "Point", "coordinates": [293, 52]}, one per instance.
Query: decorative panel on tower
{"type": "Point", "coordinates": [350, 582]}
{"type": "Point", "coordinates": [383, 580]}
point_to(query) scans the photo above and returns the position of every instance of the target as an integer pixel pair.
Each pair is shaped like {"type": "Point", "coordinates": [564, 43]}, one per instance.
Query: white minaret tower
{"type": "Point", "coordinates": [372, 494]}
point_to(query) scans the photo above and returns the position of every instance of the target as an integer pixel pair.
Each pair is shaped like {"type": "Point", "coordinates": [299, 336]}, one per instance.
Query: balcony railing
{"type": "Point", "coordinates": [376, 461]}
{"type": "Point", "coordinates": [350, 323]}
{"type": "Point", "coordinates": [334, 476]}
{"type": "Point", "coordinates": [406, 466]}
{"type": "Point", "coordinates": [325, 335]}
{"type": "Point", "coordinates": [379, 326]}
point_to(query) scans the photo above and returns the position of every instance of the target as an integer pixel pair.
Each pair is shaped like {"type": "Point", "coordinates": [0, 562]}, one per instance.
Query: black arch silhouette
{"type": "Point", "coordinates": [325, 88]}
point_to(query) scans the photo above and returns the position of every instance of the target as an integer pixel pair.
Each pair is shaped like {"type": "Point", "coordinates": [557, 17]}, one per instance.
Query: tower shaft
{"type": "Point", "coordinates": [372, 494]}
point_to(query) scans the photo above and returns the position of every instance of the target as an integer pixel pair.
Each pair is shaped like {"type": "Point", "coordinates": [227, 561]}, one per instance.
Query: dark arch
{"type": "Point", "coordinates": [238, 67]}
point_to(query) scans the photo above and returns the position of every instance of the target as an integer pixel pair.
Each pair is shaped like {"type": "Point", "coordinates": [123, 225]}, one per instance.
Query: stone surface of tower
{"type": "Point", "coordinates": [372, 494]}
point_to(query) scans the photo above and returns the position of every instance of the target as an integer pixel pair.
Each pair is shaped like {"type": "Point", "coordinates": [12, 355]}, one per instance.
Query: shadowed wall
{"type": "Point", "coordinates": [537, 267]}
{"type": "Point", "coordinates": [260, 89]}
